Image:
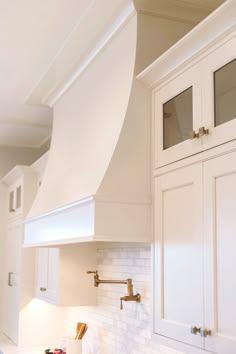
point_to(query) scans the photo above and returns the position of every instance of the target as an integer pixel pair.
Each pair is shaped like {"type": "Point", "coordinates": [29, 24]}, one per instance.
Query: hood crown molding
{"type": "Point", "coordinates": [70, 62]}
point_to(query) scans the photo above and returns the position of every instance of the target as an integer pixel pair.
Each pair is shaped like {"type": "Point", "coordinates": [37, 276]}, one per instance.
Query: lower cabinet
{"type": "Point", "coordinates": [61, 277]}
{"type": "Point", "coordinates": [195, 254]}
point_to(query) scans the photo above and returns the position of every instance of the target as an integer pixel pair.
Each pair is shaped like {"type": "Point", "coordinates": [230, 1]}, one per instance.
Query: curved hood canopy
{"type": "Point", "coordinates": [89, 121]}
{"type": "Point", "coordinates": [96, 184]}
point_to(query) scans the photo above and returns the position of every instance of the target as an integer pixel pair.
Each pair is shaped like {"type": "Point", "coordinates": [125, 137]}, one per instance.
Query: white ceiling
{"type": "Point", "coordinates": [34, 45]}
{"type": "Point", "coordinates": [31, 33]}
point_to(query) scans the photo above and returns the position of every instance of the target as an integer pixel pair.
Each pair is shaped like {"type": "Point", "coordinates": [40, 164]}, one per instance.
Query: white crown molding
{"type": "Point", "coordinates": [51, 98]}
{"type": "Point", "coordinates": [70, 62]}
{"type": "Point", "coordinates": [49, 91]}
{"type": "Point", "coordinates": [217, 26]}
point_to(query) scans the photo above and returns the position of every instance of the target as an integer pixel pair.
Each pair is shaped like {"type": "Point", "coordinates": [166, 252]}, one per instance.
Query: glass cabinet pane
{"type": "Point", "coordinates": [11, 201]}
{"type": "Point", "coordinates": [225, 93]}
{"type": "Point", "coordinates": [18, 197]}
{"type": "Point", "coordinates": [177, 119]}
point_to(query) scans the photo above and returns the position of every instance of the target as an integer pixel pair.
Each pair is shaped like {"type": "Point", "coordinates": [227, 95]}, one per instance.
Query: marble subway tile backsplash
{"type": "Point", "coordinates": [112, 331]}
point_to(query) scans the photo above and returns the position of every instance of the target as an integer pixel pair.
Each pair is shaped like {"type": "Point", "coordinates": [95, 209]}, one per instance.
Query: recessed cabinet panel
{"type": "Point", "coordinates": [18, 197]}
{"type": "Point", "coordinates": [15, 197]}
{"type": "Point", "coordinates": [177, 114]}
{"type": "Point", "coordinates": [220, 226]}
{"type": "Point", "coordinates": [179, 255]}
{"type": "Point", "coordinates": [11, 201]}
{"type": "Point", "coordinates": [225, 93]}
{"type": "Point", "coordinates": [178, 119]}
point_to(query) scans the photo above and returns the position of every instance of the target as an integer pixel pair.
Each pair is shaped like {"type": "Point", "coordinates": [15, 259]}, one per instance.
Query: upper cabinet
{"type": "Point", "coordinates": [195, 109]}
{"type": "Point", "coordinates": [194, 90]}
{"type": "Point", "coordinates": [21, 183]}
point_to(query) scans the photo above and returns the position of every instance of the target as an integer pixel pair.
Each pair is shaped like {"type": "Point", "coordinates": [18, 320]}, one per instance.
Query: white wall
{"type": "Point", "coordinates": [11, 156]}
{"type": "Point", "coordinates": [156, 34]}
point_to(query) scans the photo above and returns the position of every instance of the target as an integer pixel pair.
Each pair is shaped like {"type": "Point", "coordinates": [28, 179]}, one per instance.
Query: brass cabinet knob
{"type": "Point", "coordinates": [195, 330]}
{"type": "Point", "coordinates": [205, 332]}
{"type": "Point", "coordinates": [194, 135]}
{"type": "Point", "coordinates": [43, 289]}
{"type": "Point", "coordinates": [203, 131]}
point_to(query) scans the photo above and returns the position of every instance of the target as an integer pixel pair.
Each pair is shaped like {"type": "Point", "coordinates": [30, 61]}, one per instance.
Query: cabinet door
{"type": "Point", "coordinates": [47, 274]}
{"type": "Point", "coordinates": [219, 95]}
{"type": "Point", "coordinates": [178, 302]}
{"type": "Point", "coordinates": [13, 240]}
{"type": "Point", "coordinates": [177, 113]}
{"type": "Point", "coordinates": [41, 272]}
{"type": "Point", "coordinates": [220, 256]}
{"type": "Point", "coordinates": [53, 275]}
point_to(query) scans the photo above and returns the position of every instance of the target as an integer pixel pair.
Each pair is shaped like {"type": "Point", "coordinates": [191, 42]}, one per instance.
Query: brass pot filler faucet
{"type": "Point", "coordinates": [129, 282]}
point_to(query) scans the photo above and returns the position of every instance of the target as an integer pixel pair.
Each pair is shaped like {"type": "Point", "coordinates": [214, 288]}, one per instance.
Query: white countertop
{"type": "Point", "coordinates": [7, 347]}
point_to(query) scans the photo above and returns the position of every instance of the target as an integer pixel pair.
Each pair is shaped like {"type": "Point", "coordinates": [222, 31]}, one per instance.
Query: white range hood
{"type": "Point", "coordinates": [96, 185]}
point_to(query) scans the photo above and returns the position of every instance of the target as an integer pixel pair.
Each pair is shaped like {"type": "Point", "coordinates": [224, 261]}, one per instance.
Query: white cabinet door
{"type": "Point", "coordinates": [219, 95]}
{"type": "Point", "coordinates": [179, 255]}
{"type": "Point", "coordinates": [176, 114]}
{"type": "Point", "coordinates": [53, 275]}
{"type": "Point", "coordinates": [41, 272]}
{"type": "Point", "coordinates": [220, 255]}
{"type": "Point", "coordinates": [47, 270]}
{"type": "Point", "coordinates": [12, 279]}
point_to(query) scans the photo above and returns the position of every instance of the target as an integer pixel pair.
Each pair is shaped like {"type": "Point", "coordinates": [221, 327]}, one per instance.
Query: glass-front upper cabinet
{"type": "Point", "coordinates": [176, 118]}
{"type": "Point", "coordinates": [219, 94]}
{"type": "Point", "coordinates": [195, 109]}
{"type": "Point", "coordinates": [21, 187]}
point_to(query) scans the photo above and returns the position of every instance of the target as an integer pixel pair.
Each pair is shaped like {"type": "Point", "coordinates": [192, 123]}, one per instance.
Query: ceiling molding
{"type": "Point", "coordinates": [51, 98]}
{"type": "Point", "coordinates": [50, 89]}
